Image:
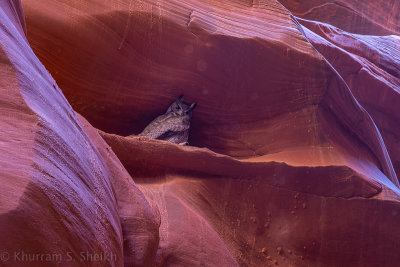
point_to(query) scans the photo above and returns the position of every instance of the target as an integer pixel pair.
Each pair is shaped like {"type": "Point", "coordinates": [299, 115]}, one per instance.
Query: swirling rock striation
{"type": "Point", "coordinates": [379, 17]}
{"type": "Point", "coordinates": [61, 200]}
{"type": "Point", "coordinates": [294, 158]}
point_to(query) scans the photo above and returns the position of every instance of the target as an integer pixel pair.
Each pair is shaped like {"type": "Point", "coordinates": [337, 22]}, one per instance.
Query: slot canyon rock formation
{"type": "Point", "coordinates": [294, 152]}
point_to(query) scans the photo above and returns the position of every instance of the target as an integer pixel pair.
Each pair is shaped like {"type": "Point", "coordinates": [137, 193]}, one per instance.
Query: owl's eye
{"type": "Point", "coordinates": [178, 107]}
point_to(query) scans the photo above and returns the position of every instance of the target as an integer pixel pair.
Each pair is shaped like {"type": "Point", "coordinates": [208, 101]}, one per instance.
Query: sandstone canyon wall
{"type": "Point", "coordinates": [294, 156]}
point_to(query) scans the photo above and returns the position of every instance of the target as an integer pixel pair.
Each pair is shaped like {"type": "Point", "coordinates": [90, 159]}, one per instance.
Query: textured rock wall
{"type": "Point", "coordinates": [118, 52]}
{"type": "Point", "coordinates": [379, 17]}
{"type": "Point", "coordinates": [294, 154]}
{"type": "Point", "coordinates": [58, 194]}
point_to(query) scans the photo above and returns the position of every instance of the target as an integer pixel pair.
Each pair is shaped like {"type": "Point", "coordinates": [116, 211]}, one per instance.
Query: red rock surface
{"type": "Point", "coordinates": [294, 137]}
{"type": "Point", "coordinates": [63, 202]}
{"type": "Point", "coordinates": [370, 66]}
{"type": "Point", "coordinates": [378, 17]}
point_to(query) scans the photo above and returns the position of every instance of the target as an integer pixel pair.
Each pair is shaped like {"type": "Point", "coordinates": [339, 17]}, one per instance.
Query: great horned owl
{"type": "Point", "coordinates": [174, 125]}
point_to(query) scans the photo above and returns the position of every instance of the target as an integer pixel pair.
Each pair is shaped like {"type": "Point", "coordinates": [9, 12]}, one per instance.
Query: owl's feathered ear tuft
{"type": "Point", "coordinates": [180, 98]}
{"type": "Point", "coordinates": [192, 106]}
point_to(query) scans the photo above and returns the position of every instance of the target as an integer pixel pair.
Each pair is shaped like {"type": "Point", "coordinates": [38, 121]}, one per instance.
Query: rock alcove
{"type": "Point", "coordinates": [262, 88]}
{"type": "Point", "coordinates": [294, 136]}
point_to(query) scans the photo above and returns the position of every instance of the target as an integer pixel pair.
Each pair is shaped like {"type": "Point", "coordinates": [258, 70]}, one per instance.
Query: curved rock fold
{"type": "Point", "coordinates": [294, 155]}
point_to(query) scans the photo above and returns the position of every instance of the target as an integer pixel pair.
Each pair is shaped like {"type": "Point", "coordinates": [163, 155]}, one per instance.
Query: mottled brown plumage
{"type": "Point", "coordinates": [174, 125]}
